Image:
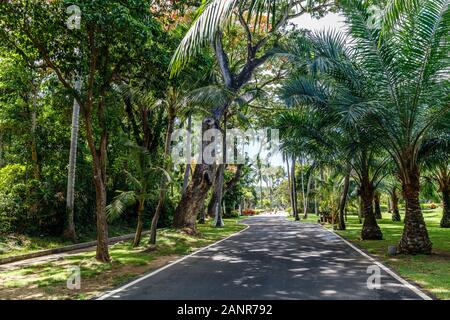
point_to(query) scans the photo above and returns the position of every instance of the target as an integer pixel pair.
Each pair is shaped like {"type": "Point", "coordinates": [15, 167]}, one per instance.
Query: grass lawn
{"type": "Point", "coordinates": [430, 272]}
{"type": "Point", "coordinates": [48, 280]}
{"type": "Point", "coordinates": [14, 245]}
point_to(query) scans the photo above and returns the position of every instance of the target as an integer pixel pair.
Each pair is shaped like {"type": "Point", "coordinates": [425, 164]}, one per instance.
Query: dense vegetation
{"type": "Point", "coordinates": [87, 114]}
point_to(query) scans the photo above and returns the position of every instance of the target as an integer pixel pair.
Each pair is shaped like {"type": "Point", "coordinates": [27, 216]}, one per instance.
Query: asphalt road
{"type": "Point", "coordinates": [273, 259]}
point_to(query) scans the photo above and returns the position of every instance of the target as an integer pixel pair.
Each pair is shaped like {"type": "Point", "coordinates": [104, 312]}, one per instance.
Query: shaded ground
{"type": "Point", "coordinates": [274, 259]}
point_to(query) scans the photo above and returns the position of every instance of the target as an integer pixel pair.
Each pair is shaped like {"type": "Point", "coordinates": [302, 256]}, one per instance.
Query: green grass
{"type": "Point", "coordinates": [22, 244]}
{"type": "Point", "coordinates": [431, 272]}
{"type": "Point", "coordinates": [51, 275]}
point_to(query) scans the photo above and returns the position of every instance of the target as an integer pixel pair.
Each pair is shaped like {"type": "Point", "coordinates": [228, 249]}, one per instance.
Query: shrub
{"type": "Point", "coordinates": [248, 212]}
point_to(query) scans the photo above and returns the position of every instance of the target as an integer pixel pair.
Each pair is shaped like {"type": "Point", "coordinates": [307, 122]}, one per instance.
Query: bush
{"type": "Point", "coordinates": [231, 214]}
{"type": "Point", "coordinates": [10, 211]}
{"type": "Point", "coordinates": [248, 212]}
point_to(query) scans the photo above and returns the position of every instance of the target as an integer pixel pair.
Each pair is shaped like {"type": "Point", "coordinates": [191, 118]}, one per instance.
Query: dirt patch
{"type": "Point", "coordinates": [90, 287]}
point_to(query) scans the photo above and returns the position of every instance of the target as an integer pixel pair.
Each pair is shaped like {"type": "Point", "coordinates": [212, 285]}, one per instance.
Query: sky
{"type": "Point", "coordinates": [330, 21]}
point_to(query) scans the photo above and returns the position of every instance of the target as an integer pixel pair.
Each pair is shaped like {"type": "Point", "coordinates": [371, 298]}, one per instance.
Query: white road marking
{"type": "Point", "coordinates": [114, 292]}
{"type": "Point", "coordinates": [408, 285]}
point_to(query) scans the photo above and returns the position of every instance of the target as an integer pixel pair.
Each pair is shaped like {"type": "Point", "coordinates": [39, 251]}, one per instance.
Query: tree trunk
{"type": "Point", "coordinates": [102, 253]}
{"type": "Point", "coordinates": [415, 238]}
{"type": "Point", "coordinates": [343, 202]}
{"type": "Point", "coordinates": [187, 172]}
{"type": "Point", "coordinates": [140, 223]}
{"type": "Point", "coordinates": [163, 184]}
{"type": "Point", "coordinates": [34, 152]}
{"type": "Point", "coordinates": [376, 200]}
{"type": "Point", "coordinates": [445, 222]}
{"type": "Point", "coordinates": [394, 206]}
{"type": "Point", "coordinates": [370, 229]}
{"type": "Point", "coordinates": [212, 204]}
{"type": "Point", "coordinates": [218, 190]}
{"type": "Point", "coordinates": [304, 200]}
{"type": "Point", "coordinates": [202, 215]}
{"type": "Point", "coordinates": [99, 171]}
{"type": "Point", "coordinates": [294, 191]}
{"type": "Point", "coordinates": [291, 198]}
{"type": "Point", "coordinates": [69, 231]}
{"type": "Point", "coordinates": [185, 214]}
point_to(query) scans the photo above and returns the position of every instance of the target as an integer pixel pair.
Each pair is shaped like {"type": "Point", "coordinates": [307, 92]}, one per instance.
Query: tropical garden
{"type": "Point", "coordinates": [92, 94]}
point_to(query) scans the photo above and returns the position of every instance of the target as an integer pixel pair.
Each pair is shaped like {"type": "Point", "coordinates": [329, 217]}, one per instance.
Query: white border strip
{"type": "Point", "coordinates": [111, 293]}
{"type": "Point", "coordinates": [408, 285]}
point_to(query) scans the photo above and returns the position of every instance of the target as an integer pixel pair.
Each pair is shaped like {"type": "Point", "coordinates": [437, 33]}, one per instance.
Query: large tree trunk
{"type": "Point", "coordinates": [377, 205]}
{"type": "Point", "coordinates": [343, 202]}
{"type": "Point", "coordinates": [415, 238]}
{"type": "Point", "coordinates": [191, 201]}
{"type": "Point", "coordinates": [445, 222]}
{"type": "Point", "coordinates": [370, 229]}
{"type": "Point", "coordinates": [394, 206]}
{"type": "Point", "coordinates": [69, 231]}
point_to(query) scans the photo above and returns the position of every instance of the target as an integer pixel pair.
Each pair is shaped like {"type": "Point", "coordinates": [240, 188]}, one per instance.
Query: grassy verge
{"type": "Point", "coordinates": [431, 272]}
{"type": "Point", "coordinates": [14, 245]}
{"type": "Point", "coordinates": [48, 280]}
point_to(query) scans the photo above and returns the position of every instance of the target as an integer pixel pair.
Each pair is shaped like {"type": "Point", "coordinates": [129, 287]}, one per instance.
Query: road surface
{"type": "Point", "coordinates": [273, 259]}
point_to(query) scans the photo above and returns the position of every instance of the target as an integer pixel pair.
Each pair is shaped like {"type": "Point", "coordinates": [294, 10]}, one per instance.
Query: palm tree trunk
{"type": "Point", "coordinates": [163, 184]}
{"type": "Point", "coordinates": [140, 223]}
{"type": "Point", "coordinates": [69, 231]}
{"type": "Point", "coordinates": [377, 206]}
{"type": "Point", "coordinates": [294, 190]}
{"type": "Point", "coordinates": [291, 198]}
{"type": "Point", "coordinates": [415, 238]}
{"type": "Point", "coordinates": [445, 222]}
{"type": "Point", "coordinates": [370, 229]}
{"type": "Point", "coordinates": [394, 202]}
{"type": "Point", "coordinates": [343, 203]}
{"type": "Point", "coordinates": [305, 206]}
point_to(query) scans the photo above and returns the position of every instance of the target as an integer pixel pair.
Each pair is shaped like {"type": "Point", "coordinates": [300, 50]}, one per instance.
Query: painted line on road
{"type": "Point", "coordinates": [114, 292]}
{"type": "Point", "coordinates": [408, 285]}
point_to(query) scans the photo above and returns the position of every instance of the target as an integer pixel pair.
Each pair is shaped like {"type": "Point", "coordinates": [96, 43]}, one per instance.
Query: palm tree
{"type": "Point", "coordinates": [435, 156]}
{"type": "Point", "coordinates": [141, 188]}
{"type": "Point", "coordinates": [406, 62]}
